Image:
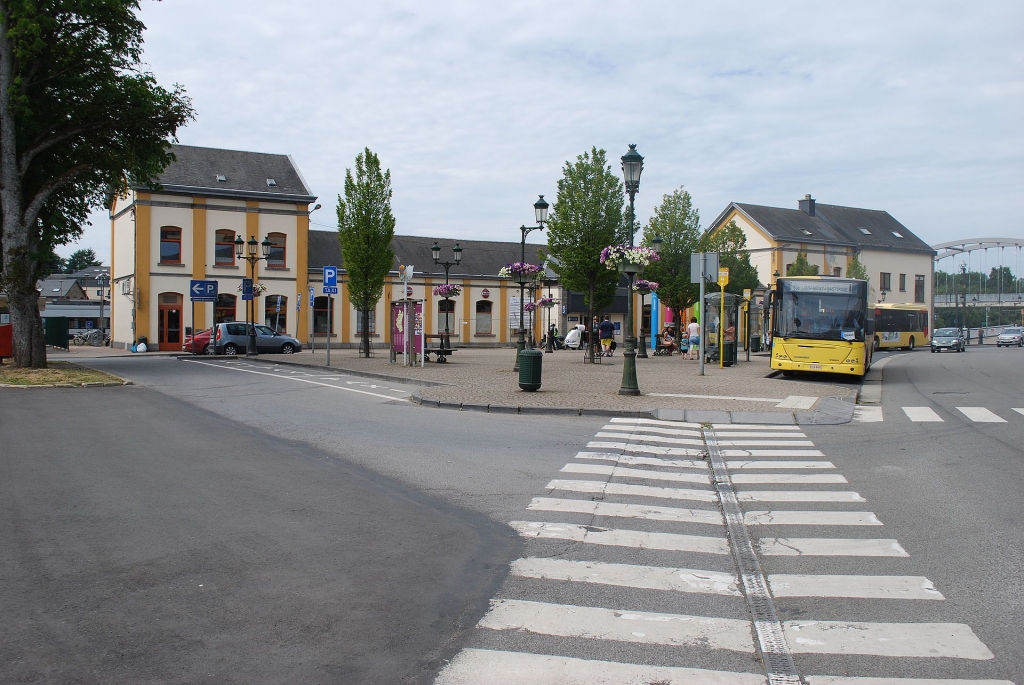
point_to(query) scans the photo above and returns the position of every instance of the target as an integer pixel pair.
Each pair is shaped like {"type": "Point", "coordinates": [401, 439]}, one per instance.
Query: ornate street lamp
{"type": "Point", "coordinates": [435, 252]}
{"type": "Point", "coordinates": [540, 212]}
{"type": "Point", "coordinates": [247, 250]}
{"type": "Point", "coordinates": [642, 352]}
{"type": "Point", "coordinates": [632, 167]}
{"type": "Point", "coordinates": [103, 281]}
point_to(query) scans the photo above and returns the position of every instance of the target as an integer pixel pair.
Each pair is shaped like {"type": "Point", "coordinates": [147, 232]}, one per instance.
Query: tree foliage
{"type": "Point", "coordinates": [81, 259]}
{"type": "Point", "coordinates": [801, 267]}
{"type": "Point", "coordinates": [586, 218]}
{"type": "Point", "coordinates": [80, 120]}
{"type": "Point", "coordinates": [731, 245]}
{"type": "Point", "coordinates": [677, 223]}
{"type": "Point", "coordinates": [365, 229]}
{"type": "Point", "coordinates": [856, 269]}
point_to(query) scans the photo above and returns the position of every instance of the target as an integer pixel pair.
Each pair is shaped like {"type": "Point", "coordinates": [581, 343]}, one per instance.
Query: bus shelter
{"type": "Point", "coordinates": [723, 327]}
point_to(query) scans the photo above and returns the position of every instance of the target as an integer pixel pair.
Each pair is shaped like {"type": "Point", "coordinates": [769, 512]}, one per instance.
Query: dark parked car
{"type": "Point", "coordinates": [1011, 336]}
{"type": "Point", "coordinates": [948, 339]}
{"type": "Point", "coordinates": [233, 338]}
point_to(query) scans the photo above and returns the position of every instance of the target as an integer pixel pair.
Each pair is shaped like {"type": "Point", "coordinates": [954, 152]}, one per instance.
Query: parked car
{"type": "Point", "coordinates": [948, 339]}
{"type": "Point", "coordinates": [233, 337]}
{"type": "Point", "coordinates": [198, 343]}
{"type": "Point", "coordinates": [1011, 336]}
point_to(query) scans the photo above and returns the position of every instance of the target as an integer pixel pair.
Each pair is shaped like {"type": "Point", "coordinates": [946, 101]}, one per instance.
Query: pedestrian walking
{"type": "Point", "coordinates": [607, 333]}
{"type": "Point", "coordinates": [693, 331]}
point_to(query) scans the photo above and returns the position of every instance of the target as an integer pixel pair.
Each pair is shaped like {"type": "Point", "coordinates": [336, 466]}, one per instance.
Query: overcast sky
{"type": "Point", "coordinates": [915, 108]}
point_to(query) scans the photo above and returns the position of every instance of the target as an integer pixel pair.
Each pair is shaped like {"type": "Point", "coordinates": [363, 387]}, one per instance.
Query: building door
{"type": "Point", "coordinates": [170, 321]}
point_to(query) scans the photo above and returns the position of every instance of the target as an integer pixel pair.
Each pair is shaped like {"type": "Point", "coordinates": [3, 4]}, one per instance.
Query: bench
{"type": "Point", "coordinates": [442, 350]}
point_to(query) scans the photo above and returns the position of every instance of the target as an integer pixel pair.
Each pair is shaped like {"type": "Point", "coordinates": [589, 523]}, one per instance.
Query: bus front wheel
{"type": "Point", "coordinates": [911, 346]}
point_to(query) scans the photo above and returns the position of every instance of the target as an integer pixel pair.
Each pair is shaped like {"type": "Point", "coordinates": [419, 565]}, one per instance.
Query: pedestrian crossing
{"type": "Point", "coordinates": [873, 414]}
{"type": "Point", "coordinates": [629, 575]}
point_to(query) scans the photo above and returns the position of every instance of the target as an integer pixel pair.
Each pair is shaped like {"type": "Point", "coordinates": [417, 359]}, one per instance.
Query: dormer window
{"type": "Point", "coordinates": [271, 183]}
{"type": "Point", "coordinates": [863, 230]}
{"type": "Point", "coordinates": [221, 178]}
{"type": "Point", "coordinates": [806, 232]}
{"type": "Point", "coordinates": [897, 234]}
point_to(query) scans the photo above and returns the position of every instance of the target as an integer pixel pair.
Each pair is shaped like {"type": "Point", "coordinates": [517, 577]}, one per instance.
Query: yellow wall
{"type": "Point", "coordinates": [199, 264]}
{"type": "Point", "coordinates": [143, 258]}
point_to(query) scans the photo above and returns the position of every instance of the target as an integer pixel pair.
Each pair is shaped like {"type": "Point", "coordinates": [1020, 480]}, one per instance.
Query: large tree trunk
{"type": "Point", "coordinates": [364, 343]}
{"type": "Point", "coordinates": [22, 298]}
{"type": "Point", "coordinates": [591, 338]}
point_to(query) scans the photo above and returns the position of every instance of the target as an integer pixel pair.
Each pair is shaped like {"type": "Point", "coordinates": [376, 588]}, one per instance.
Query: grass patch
{"type": "Point", "coordinates": [58, 372]}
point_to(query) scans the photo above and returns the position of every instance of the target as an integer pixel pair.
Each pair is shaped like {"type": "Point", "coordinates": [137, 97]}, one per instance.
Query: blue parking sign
{"type": "Point", "coordinates": [331, 276]}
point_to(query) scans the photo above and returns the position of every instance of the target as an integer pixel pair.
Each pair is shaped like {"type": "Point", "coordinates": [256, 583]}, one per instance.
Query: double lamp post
{"type": "Point", "coordinates": [632, 167]}
{"type": "Point", "coordinates": [435, 252]}
{"type": "Point", "coordinates": [540, 211]}
{"type": "Point", "coordinates": [247, 250]}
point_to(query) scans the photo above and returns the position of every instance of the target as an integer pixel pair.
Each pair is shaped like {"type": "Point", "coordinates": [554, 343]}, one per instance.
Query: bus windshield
{"type": "Point", "coordinates": [821, 309]}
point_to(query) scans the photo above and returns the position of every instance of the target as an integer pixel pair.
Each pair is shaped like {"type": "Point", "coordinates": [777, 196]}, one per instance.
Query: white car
{"type": "Point", "coordinates": [1011, 336]}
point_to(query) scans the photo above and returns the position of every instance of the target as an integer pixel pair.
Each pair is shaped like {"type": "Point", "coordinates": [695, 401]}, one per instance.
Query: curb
{"type": "Point", "coordinates": [339, 369]}
{"type": "Point", "coordinates": [67, 385]}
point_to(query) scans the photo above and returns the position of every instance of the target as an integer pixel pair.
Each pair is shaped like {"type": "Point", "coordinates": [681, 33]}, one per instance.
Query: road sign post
{"type": "Point", "coordinates": [723, 280]}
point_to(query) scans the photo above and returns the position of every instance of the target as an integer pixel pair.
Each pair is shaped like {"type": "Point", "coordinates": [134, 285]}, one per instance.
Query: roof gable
{"type": "Point", "coordinates": [884, 232]}
{"type": "Point", "coordinates": [793, 225]}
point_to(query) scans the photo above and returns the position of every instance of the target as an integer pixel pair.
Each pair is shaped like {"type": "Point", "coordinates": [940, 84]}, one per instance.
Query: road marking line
{"type": "Point", "coordinates": [921, 414]}
{"type": "Point", "coordinates": [628, 575]}
{"type": "Point", "coordinates": [844, 680]}
{"type": "Point", "coordinates": [488, 667]}
{"type": "Point", "coordinates": [830, 547]}
{"type": "Point", "coordinates": [655, 422]}
{"type": "Point", "coordinates": [658, 430]}
{"type": "Point", "coordinates": [759, 434]}
{"type": "Point", "coordinates": [632, 490]}
{"type": "Point", "coordinates": [766, 443]}
{"type": "Point", "coordinates": [735, 398]}
{"type": "Point", "coordinates": [867, 414]}
{"type": "Point", "coordinates": [639, 511]}
{"type": "Point", "coordinates": [754, 427]}
{"type": "Point", "coordinates": [605, 470]}
{"type": "Point", "coordinates": [798, 496]}
{"type": "Point", "coordinates": [862, 587]}
{"type": "Point", "coordinates": [766, 478]}
{"type": "Point", "coordinates": [1019, 411]}
{"type": "Point", "coordinates": [779, 465]}
{"type": "Point", "coordinates": [650, 438]}
{"type": "Point", "coordinates": [810, 518]}
{"type": "Point", "coordinates": [300, 380]}
{"type": "Point", "coordinates": [619, 537]}
{"type": "Point", "coordinates": [953, 640]}
{"type": "Point", "coordinates": [643, 461]}
{"type": "Point", "coordinates": [797, 402]}
{"type": "Point", "coordinates": [649, 449]}
{"type": "Point", "coordinates": [772, 453]}
{"type": "Point", "coordinates": [981, 415]}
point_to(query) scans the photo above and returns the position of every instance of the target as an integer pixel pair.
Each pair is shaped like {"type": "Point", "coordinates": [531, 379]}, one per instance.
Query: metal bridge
{"type": "Point", "coordinates": [969, 263]}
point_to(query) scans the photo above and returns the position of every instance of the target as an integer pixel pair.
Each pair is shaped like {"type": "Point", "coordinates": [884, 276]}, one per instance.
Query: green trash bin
{"type": "Point", "coordinates": [530, 369]}
{"type": "Point", "coordinates": [728, 353]}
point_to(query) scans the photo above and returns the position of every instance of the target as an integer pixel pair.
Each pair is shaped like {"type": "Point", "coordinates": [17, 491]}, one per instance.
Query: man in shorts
{"type": "Point", "coordinates": [607, 332]}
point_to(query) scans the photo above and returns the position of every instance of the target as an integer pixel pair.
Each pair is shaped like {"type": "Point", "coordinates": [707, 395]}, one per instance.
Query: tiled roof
{"type": "Point", "coordinates": [479, 257]}
{"type": "Point", "coordinates": [793, 225]}
{"type": "Point", "coordinates": [196, 170]}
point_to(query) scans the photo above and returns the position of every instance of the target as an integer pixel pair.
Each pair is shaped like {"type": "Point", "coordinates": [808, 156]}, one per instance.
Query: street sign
{"type": "Point", "coordinates": [277, 310]}
{"type": "Point", "coordinates": [408, 291]}
{"type": "Point", "coordinates": [246, 288]}
{"type": "Point", "coordinates": [311, 294]}
{"type": "Point", "coordinates": [723, 277]}
{"type": "Point", "coordinates": [202, 291]}
{"type": "Point", "coordinates": [331, 276]}
{"type": "Point", "coordinates": [746, 293]}
{"type": "Point", "coordinates": [330, 290]}
{"type": "Point", "coordinates": [710, 265]}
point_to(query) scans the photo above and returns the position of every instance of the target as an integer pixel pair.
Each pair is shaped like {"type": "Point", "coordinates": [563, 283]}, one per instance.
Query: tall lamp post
{"type": "Point", "coordinates": [549, 345]}
{"type": "Point", "coordinates": [963, 317]}
{"type": "Point", "coordinates": [435, 252]}
{"type": "Point", "coordinates": [103, 281]}
{"type": "Point", "coordinates": [540, 211]}
{"type": "Point", "coordinates": [247, 250]}
{"type": "Point", "coordinates": [642, 352]}
{"type": "Point", "coordinates": [632, 167]}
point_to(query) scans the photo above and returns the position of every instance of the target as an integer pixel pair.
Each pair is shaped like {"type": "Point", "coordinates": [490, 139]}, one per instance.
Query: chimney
{"type": "Point", "coordinates": [807, 205]}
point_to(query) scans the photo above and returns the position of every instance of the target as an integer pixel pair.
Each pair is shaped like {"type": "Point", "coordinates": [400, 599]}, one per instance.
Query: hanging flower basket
{"type": "Point", "coordinates": [257, 289]}
{"type": "Point", "coordinates": [520, 272]}
{"type": "Point", "coordinates": [645, 287]}
{"type": "Point", "coordinates": [529, 306]}
{"type": "Point", "coordinates": [628, 258]}
{"type": "Point", "coordinates": [546, 302]}
{"type": "Point", "coordinates": [447, 290]}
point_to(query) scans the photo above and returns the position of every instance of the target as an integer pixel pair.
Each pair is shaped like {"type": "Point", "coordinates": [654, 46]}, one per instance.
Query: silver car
{"type": "Point", "coordinates": [1011, 336]}
{"type": "Point", "coordinates": [948, 339]}
{"type": "Point", "coordinates": [233, 337]}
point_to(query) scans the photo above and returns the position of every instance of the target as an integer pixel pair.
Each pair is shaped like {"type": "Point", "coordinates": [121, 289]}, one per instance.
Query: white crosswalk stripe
{"type": "Point", "coordinates": [574, 553]}
{"type": "Point", "coordinates": [919, 414]}
{"type": "Point", "coordinates": [981, 415]}
{"type": "Point", "coordinates": [866, 414]}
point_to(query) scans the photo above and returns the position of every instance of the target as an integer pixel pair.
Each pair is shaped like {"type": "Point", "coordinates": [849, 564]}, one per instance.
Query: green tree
{"type": "Point", "coordinates": [81, 259]}
{"type": "Point", "coordinates": [801, 267]}
{"type": "Point", "coordinates": [677, 222]}
{"type": "Point", "coordinates": [80, 120]}
{"type": "Point", "coordinates": [731, 245]}
{"type": "Point", "coordinates": [365, 229]}
{"type": "Point", "coordinates": [586, 218]}
{"type": "Point", "coordinates": [856, 269]}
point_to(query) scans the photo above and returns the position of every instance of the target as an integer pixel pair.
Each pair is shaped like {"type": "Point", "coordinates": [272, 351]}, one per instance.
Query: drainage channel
{"type": "Point", "coordinates": [778, 660]}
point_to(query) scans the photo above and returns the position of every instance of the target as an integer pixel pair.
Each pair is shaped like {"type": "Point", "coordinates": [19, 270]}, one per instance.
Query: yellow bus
{"type": "Point", "coordinates": [821, 324]}
{"type": "Point", "coordinates": [901, 325]}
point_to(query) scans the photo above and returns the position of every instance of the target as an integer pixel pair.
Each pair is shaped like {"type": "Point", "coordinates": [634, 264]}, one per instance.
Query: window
{"type": "Point", "coordinates": [275, 312]}
{"type": "Point", "coordinates": [483, 317]}
{"type": "Point", "coordinates": [276, 257]}
{"type": "Point", "coordinates": [373, 322]}
{"type": "Point", "coordinates": [224, 309]}
{"type": "Point", "coordinates": [445, 318]}
{"type": "Point", "coordinates": [864, 230]}
{"type": "Point", "coordinates": [885, 281]}
{"type": "Point", "coordinates": [903, 283]}
{"type": "Point", "coordinates": [320, 316]}
{"type": "Point", "coordinates": [170, 246]}
{"type": "Point", "coordinates": [919, 288]}
{"type": "Point", "coordinates": [224, 249]}
{"type": "Point", "coordinates": [897, 234]}
{"type": "Point", "coordinates": [837, 271]}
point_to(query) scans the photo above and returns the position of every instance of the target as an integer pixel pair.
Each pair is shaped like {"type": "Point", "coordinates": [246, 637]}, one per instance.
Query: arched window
{"type": "Point", "coordinates": [275, 312]}
{"type": "Point", "coordinates": [277, 259]}
{"type": "Point", "coordinates": [483, 317]}
{"type": "Point", "coordinates": [445, 318]}
{"type": "Point", "coordinates": [225, 248]}
{"type": "Point", "coordinates": [320, 316]}
{"type": "Point", "coordinates": [224, 309]}
{"type": "Point", "coordinates": [170, 245]}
